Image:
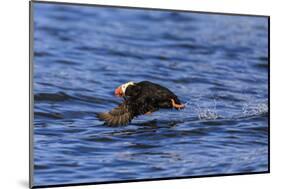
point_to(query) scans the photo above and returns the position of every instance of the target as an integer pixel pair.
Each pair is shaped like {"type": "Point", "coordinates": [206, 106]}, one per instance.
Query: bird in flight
{"type": "Point", "coordinates": [140, 98]}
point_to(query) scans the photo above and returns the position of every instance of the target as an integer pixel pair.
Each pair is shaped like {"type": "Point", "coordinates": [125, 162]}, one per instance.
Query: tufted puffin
{"type": "Point", "coordinates": [140, 98]}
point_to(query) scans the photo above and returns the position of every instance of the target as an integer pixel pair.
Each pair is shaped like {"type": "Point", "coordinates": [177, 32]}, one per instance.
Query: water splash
{"type": "Point", "coordinates": [252, 109]}
{"type": "Point", "coordinates": [208, 114]}
{"type": "Point", "coordinates": [205, 112]}
{"type": "Point", "coordinates": [210, 111]}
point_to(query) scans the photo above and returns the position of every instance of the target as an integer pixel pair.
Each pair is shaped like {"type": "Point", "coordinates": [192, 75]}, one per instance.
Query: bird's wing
{"type": "Point", "coordinates": [120, 115]}
{"type": "Point", "coordinates": [126, 111]}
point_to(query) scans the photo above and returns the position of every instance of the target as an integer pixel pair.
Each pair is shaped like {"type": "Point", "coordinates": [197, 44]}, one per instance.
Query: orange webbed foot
{"type": "Point", "coordinates": [177, 106]}
{"type": "Point", "coordinates": [148, 113]}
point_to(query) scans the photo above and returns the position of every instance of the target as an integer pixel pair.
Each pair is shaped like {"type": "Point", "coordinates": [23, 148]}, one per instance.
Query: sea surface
{"type": "Point", "coordinates": [216, 64]}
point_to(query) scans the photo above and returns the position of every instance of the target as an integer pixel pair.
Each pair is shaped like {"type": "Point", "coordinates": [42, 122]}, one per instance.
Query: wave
{"type": "Point", "coordinates": [53, 115]}
{"type": "Point", "coordinates": [59, 96]}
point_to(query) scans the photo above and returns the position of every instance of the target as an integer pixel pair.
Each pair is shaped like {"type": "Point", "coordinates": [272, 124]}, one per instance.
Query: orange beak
{"type": "Point", "coordinates": [118, 92]}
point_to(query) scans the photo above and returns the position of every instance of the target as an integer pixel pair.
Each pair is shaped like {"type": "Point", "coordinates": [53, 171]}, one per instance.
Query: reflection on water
{"type": "Point", "coordinates": [216, 64]}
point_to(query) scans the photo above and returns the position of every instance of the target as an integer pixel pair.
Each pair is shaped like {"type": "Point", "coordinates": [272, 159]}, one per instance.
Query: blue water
{"type": "Point", "coordinates": [216, 64]}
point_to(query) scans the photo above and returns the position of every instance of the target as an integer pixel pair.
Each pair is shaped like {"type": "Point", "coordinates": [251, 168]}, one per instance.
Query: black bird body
{"type": "Point", "coordinates": [140, 98]}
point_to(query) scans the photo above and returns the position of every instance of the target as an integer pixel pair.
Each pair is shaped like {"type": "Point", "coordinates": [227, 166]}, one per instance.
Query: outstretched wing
{"type": "Point", "coordinates": [120, 115]}
{"type": "Point", "coordinates": [125, 112]}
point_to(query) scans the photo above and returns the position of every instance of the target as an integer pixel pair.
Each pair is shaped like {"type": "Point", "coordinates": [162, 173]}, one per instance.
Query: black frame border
{"type": "Point", "coordinates": [31, 112]}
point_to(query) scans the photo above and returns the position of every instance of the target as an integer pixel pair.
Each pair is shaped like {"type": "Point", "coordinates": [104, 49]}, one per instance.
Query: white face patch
{"type": "Point", "coordinates": [124, 86]}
